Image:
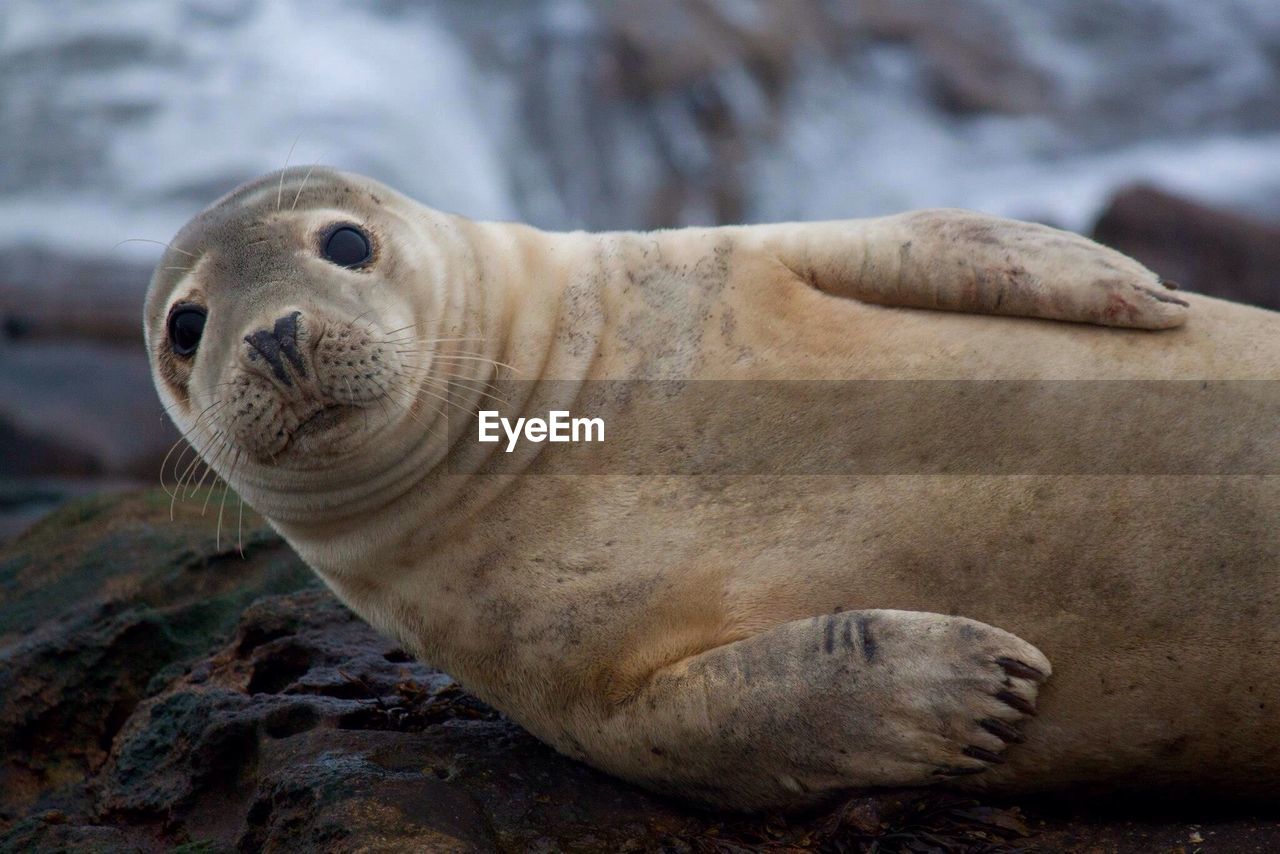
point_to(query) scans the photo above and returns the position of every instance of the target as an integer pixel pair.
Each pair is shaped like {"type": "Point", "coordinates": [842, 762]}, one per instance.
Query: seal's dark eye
{"type": "Point", "coordinates": [186, 325]}
{"type": "Point", "coordinates": [347, 246]}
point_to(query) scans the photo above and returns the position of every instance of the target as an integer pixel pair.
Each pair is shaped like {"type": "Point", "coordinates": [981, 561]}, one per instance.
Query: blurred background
{"type": "Point", "coordinates": [1153, 125]}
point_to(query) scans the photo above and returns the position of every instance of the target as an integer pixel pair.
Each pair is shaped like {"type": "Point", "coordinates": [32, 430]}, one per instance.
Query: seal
{"type": "Point", "coordinates": [707, 621]}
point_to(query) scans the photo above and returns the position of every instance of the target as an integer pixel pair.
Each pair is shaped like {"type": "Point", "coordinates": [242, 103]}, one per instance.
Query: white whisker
{"type": "Point", "coordinates": [156, 242]}
{"type": "Point", "coordinates": [235, 461]}
{"type": "Point", "coordinates": [466, 357]}
{"type": "Point", "coordinates": [305, 179]}
{"type": "Point", "coordinates": [221, 452]}
{"type": "Point", "coordinates": [185, 437]}
{"type": "Point", "coordinates": [287, 158]}
{"type": "Point", "coordinates": [460, 380]}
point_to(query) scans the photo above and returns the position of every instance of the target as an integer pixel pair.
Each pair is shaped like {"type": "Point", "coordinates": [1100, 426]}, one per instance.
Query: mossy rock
{"type": "Point", "coordinates": [103, 602]}
{"type": "Point", "coordinates": [161, 691]}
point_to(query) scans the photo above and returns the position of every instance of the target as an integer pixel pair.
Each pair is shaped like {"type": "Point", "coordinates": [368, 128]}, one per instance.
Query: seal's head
{"type": "Point", "coordinates": [283, 327]}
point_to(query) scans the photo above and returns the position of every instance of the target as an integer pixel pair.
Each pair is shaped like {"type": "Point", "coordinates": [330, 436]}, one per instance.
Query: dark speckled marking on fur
{"type": "Point", "coordinates": [581, 311]}
{"type": "Point", "coordinates": [501, 614]}
{"type": "Point", "coordinates": [964, 229]}
{"type": "Point", "coordinates": [665, 326]}
{"type": "Point", "coordinates": [869, 645]}
{"type": "Point", "coordinates": [584, 621]}
{"type": "Point", "coordinates": [728, 324]}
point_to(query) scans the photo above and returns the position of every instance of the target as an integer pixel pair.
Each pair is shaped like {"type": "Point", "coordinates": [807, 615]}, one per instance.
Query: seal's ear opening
{"type": "Point", "coordinates": [347, 246]}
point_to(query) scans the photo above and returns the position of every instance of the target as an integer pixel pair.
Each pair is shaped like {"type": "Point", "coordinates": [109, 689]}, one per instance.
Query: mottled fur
{"type": "Point", "coordinates": [761, 639]}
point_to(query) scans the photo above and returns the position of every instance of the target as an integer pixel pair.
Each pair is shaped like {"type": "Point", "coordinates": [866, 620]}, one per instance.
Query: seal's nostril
{"type": "Point", "coordinates": [286, 333]}
{"type": "Point", "coordinates": [286, 329]}
{"type": "Point", "coordinates": [279, 344]}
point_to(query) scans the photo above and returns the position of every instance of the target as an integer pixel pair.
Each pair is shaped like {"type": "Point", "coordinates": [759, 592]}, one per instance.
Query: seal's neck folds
{"type": "Point", "coordinates": [506, 317]}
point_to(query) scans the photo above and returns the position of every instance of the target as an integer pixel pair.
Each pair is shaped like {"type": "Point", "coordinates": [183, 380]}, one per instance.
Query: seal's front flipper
{"type": "Point", "coordinates": [964, 261]}
{"type": "Point", "coordinates": [812, 707]}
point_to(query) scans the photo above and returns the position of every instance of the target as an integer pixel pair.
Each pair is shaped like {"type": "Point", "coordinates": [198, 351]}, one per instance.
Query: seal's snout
{"type": "Point", "coordinates": [278, 345]}
{"type": "Point", "coordinates": [300, 381]}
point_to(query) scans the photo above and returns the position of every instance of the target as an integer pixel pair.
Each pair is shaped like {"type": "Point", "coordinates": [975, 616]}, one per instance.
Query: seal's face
{"type": "Point", "coordinates": [276, 336]}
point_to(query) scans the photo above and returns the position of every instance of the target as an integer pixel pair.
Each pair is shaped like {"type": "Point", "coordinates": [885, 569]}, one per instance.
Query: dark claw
{"type": "Point", "coordinates": [1160, 296]}
{"type": "Point", "coordinates": [1170, 284]}
{"type": "Point", "coordinates": [957, 771]}
{"type": "Point", "coordinates": [1017, 702]}
{"type": "Point", "coordinates": [1016, 668]}
{"type": "Point", "coordinates": [984, 755]}
{"type": "Point", "coordinates": [1001, 730]}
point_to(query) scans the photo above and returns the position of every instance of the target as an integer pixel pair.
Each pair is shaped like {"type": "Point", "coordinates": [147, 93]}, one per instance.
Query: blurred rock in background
{"type": "Point", "coordinates": [632, 113]}
{"type": "Point", "coordinates": [119, 126]}
{"type": "Point", "coordinates": [1205, 249]}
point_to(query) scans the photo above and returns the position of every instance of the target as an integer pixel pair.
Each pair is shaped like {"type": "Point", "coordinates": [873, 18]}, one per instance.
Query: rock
{"type": "Point", "coordinates": [971, 50]}
{"type": "Point", "coordinates": [48, 294]}
{"type": "Point", "coordinates": [159, 691]}
{"type": "Point", "coordinates": [79, 408]}
{"type": "Point", "coordinates": [1202, 248]}
{"type": "Point", "coordinates": [669, 45]}
{"type": "Point", "coordinates": [24, 500]}
{"type": "Point", "coordinates": [99, 600]}
{"type": "Point", "coordinates": [76, 398]}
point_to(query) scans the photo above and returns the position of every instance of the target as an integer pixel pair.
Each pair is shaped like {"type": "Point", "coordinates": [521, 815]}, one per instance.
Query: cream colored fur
{"type": "Point", "coordinates": [758, 640]}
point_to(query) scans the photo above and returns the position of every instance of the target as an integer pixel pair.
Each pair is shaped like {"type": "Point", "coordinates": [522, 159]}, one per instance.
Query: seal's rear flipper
{"type": "Point", "coordinates": [812, 707]}
{"type": "Point", "coordinates": [964, 261]}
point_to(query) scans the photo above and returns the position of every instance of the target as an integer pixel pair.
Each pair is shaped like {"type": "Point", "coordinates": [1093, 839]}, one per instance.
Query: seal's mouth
{"type": "Point", "coordinates": [322, 432]}
{"type": "Point", "coordinates": [323, 419]}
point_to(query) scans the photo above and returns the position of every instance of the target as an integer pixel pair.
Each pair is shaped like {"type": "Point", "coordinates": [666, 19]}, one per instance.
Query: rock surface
{"type": "Point", "coordinates": [48, 294]}
{"type": "Point", "coordinates": [80, 409]}
{"type": "Point", "coordinates": [78, 412]}
{"type": "Point", "coordinates": [1204, 249]}
{"type": "Point", "coordinates": [158, 691]}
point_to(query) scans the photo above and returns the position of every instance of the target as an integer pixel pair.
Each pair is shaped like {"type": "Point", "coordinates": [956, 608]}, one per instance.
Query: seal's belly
{"type": "Point", "coordinates": [1157, 599]}
{"type": "Point", "coordinates": [1155, 591]}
